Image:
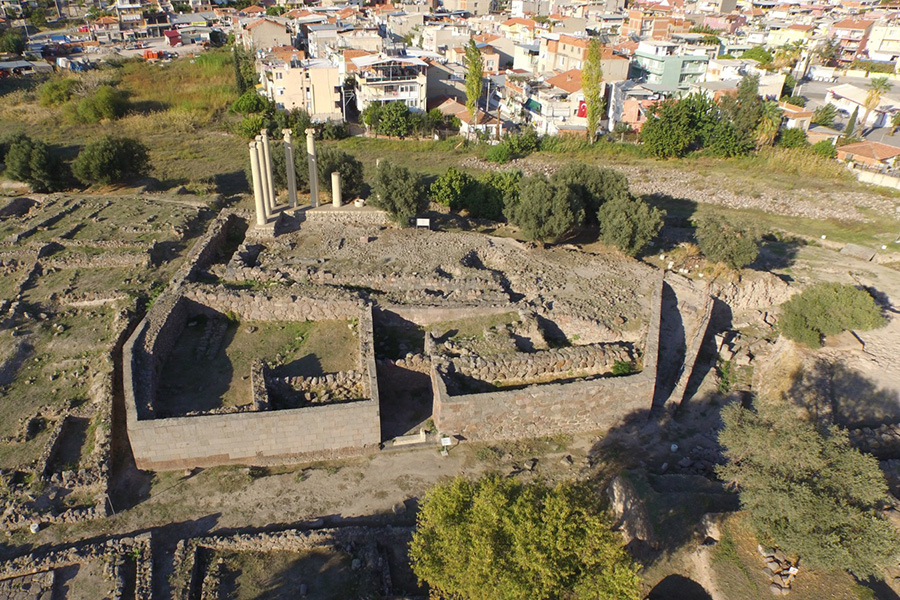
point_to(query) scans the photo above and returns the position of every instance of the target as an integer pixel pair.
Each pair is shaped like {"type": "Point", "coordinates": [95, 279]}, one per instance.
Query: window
{"type": "Point", "coordinates": [279, 75]}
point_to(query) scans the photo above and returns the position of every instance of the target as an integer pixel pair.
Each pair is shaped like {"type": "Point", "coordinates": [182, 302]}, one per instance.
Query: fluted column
{"type": "Point", "coordinates": [289, 162]}
{"type": "Point", "coordinates": [313, 167]}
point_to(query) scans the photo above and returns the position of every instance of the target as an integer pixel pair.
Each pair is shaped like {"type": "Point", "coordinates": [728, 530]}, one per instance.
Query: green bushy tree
{"type": "Point", "coordinates": [629, 223]}
{"type": "Point", "coordinates": [594, 186]}
{"type": "Point", "coordinates": [32, 162]}
{"type": "Point", "coordinates": [105, 104]}
{"type": "Point", "coordinates": [57, 91]}
{"type": "Point", "coordinates": [394, 120]}
{"type": "Point", "coordinates": [824, 148]}
{"type": "Point", "coordinates": [452, 188]}
{"type": "Point", "coordinates": [499, 538]}
{"type": "Point", "coordinates": [825, 115]}
{"type": "Point", "coordinates": [13, 40]}
{"type": "Point", "coordinates": [734, 243]}
{"type": "Point", "coordinates": [499, 190]}
{"type": "Point", "coordinates": [792, 138]}
{"type": "Point", "coordinates": [544, 211]}
{"type": "Point", "coordinates": [331, 159]}
{"type": "Point", "coordinates": [828, 309]}
{"type": "Point", "coordinates": [250, 102]}
{"type": "Point", "coordinates": [677, 127]}
{"type": "Point", "coordinates": [499, 153]}
{"type": "Point", "coordinates": [398, 191]}
{"type": "Point", "coordinates": [111, 160]}
{"type": "Point", "coordinates": [808, 491]}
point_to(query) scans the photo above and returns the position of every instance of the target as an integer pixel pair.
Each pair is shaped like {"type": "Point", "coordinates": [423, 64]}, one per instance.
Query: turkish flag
{"type": "Point", "coordinates": [582, 109]}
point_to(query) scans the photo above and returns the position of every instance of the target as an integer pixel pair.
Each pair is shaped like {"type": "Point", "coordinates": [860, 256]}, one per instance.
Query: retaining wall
{"type": "Point", "coordinates": [547, 409]}
{"type": "Point", "coordinates": [248, 437]}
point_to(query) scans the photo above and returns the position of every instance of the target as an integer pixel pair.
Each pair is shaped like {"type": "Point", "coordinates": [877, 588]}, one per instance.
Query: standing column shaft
{"type": "Point", "coordinates": [269, 184]}
{"type": "Point", "coordinates": [289, 162]}
{"type": "Point", "coordinates": [336, 189]}
{"type": "Point", "coordinates": [262, 216]}
{"type": "Point", "coordinates": [313, 167]}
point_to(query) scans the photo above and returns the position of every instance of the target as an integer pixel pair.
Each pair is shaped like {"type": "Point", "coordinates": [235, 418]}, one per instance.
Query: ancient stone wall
{"type": "Point", "coordinates": [319, 431]}
{"type": "Point", "coordinates": [347, 215]}
{"type": "Point", "coordinates": [570, 361]}
{"type": "Point", "coordinates": [547, 409]}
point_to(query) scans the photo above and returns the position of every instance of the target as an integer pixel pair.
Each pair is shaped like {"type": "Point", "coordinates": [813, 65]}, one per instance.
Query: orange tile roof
{"type": "Point", "coordinates": [519, 21]}
{"type": "Point", "coordinates": [569, 81]}
{"type": "Point", "coordinates": [350, 54]}
{"type": "Point", "coordinates": [874, 150]}
{"type": "Point", "coordinates": [851, 24]}
{"type": "Point", "coordinates": [253, 9]}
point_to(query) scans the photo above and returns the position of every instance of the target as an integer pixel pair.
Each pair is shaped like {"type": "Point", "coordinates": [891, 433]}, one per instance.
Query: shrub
{"type": "Point", "coordinates": [629, 223]}
{"type": "Point", "coordinates": [332, 159]}
{"type": "Point", "coordinates": [734, 243]}
{"type": "Point", "coordinates": [523, 143]}
{"type": "Point", "coordinates": [499, 538]}
{"type": "Point", "coordinates": [32, 162]}
{"type": "Point", "coordinates": [392, 119]}
{"type": "Point", "coordinates": [333, 130]}
{"type": "Point", "coordinates": [622, 367]}
{"type": "Point", "coordinates": [828, 309]}
{"type": "Point", "coordinates": [808, 491]}
{"type": "Point", "coordinates": [545, 211]}
{"type": "Point", "coordinates": [594, 186]}
{"type": "Point", "coordinates": [13, 40]}
{"type": "Point", "coordinates": [399, 192]}
{"type": "Point", "coordinates": [57, 91]}
{"type": "Point", "coordinates": [107, 103]}
{"type": "Point", "coordinates": [498, 190]}
{"type": "Point", "coordinates": [452, 188]}
{"type": "Point", "coordinates": [825, 149]}
{"type": "Point", "coordinates": [251, 125]}
{"type": "Point", "coordinates": [279, 167]}
{"type": "Point", "coordinates": [250, 102]}
{"type": "Point", "coordinates": [792, 138]}
{"type": "Point", "coordinates": [110, 160]}
{"type": "Point", "coordinates": [499, 153]}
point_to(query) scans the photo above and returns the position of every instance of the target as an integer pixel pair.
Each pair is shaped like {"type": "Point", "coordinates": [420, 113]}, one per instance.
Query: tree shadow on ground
{"type": "Point", "coordinates": [776, 254]}
{"type": "Point", "coordinates": [231, 183]}
{"type": "Point", "coordinates": [831, 392]}
{"type": "Point", "coordinates": [676, 587]}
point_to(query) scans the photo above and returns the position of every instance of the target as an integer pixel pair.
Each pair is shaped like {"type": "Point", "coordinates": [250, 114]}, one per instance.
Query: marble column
{"type": "Point", "coordinates": [289, 162]}
{"type": "Point", "coordinates": [268, 182]}
{"type": "Point", "coordinates": [313, 167]}
{"type": "Point", "coordinates": [262, 216]}
{"type": "Point", "coordinates": [336, 189]}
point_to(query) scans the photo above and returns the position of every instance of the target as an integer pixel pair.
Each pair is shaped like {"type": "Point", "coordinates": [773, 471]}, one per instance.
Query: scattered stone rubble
{"type": "Point", "coordinates": [780, 570]}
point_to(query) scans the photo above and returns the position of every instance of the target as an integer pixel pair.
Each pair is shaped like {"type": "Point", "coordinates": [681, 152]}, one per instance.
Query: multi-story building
{"type": "Point", "coordinates": [663, 64]}
{"type": "Point", "coordinates": [852, 37]}
{"type": "Point", "coordinates": [382, 79]}
{"type": "Point", "coordinates": [315, 85]}
{"type": "Point", "coordinates": [884, 43]}
{"type": "Point", "coordinates": [265, 33]}
{"type": "Point", "coordinates": [655, 23]}
{"type": "Point", "coordinates": [789, 33]}
{"type": "Point", "coordinates": [564, 52]}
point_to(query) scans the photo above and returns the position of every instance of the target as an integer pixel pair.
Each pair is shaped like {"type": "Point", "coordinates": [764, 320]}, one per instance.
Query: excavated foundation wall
{"type": "Point", "coordinates": [549, 409]}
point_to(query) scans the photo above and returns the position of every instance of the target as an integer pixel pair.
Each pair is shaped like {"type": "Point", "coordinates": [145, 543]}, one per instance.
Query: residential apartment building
{"type": "Point", "coordinates": [662, 64]}
{"type": "Point", "coordinates": [852, 37]}
{"type": "Point", "coordinates": [564, 52]}
{"type": "Point", "coordinates": [884, 43]}
{"type": "Point", "coordinates": [381, 78]}
{"type": "Point", "coordinates": [313, 85]}
{"type": "Point", "coordinates": [265, 33]}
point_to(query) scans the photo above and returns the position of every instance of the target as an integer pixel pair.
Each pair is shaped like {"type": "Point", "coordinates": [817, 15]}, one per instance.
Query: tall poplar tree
{"type": "Point", "coordinates": [474, 71]}
{"type": "Point", "coordinates": [592, 84]}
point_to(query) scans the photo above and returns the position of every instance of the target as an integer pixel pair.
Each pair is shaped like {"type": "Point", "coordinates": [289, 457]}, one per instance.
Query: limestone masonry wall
{"type": "Point", "coordinates": [204, 440]}
{"type": "Point", "coordinates": [551, 408]}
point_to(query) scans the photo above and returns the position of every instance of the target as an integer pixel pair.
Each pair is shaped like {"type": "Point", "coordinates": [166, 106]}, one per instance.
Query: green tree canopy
{"type": "Point", "coordinates": [594, 186]}
{"type": "Point", "coordinates": [105, 104]}
{"type": "Point", "coordinates": [498, 538]}
{"type": "Point", "coordinates": [13, 40]}
{"type": "Point", "coordinates": [760, 54]}
{"type": "Point", "coordinates": [828, 309]}
{"type": "Point", "coordinates": [398, 191]}
{"type": "Point", "coordinates": [110, 160]}
{"type": "Point", "coordinates": [734, 243]}
{"type": "Point", "coordinates": [393, 120]}
{"type": "Point", "coordinates": [452, 188]}
{"type": "Point", "coordinates": [545, 211]}
{"type": "Point", "coordinates": [592, 86]}
{"type": "Point", "coordinates": [629, 223]}
{"type": "Point", "coordinates": [474, 71]}
{"type": "Point", "coordinates": [32, 162]}
{"type": "Point", "coordinates": [808, 491]}
{"type": "Point", "coordinates": [250, 102]}
{"type": "Point", "coordinates": [330, 159]}
{"type": "Point", "coordinates": [679, 126]}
